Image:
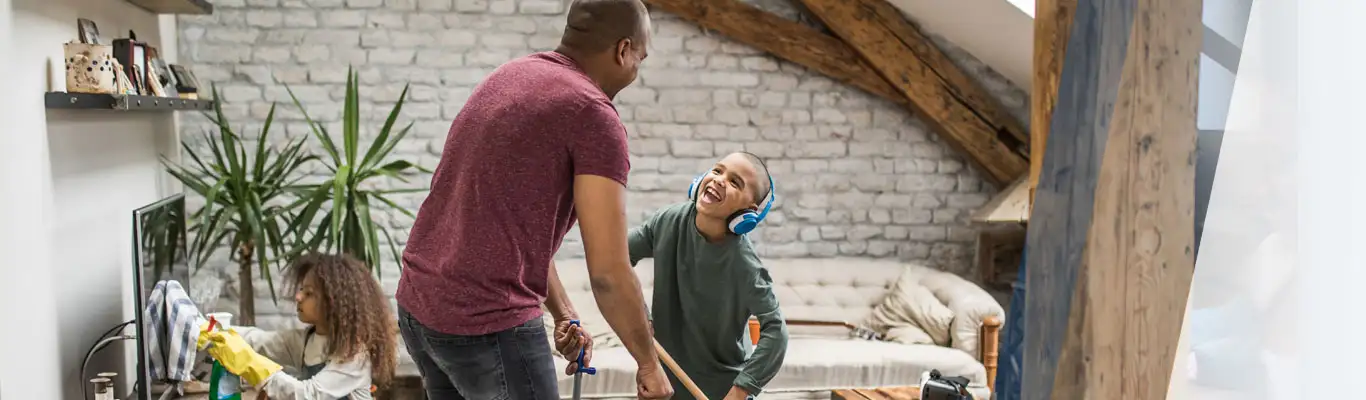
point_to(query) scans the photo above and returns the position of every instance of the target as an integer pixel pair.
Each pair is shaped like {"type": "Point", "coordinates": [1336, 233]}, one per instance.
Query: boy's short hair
{"type": "Point", "coordinates": [760, 191]}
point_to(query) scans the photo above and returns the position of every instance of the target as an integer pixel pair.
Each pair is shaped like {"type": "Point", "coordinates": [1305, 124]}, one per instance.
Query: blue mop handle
{"type": "Point", "coordinates": [578, 363]}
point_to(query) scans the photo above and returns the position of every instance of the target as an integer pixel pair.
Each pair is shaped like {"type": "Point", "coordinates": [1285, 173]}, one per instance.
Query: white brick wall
{"type": "Point", "coordinates": [857, 176]}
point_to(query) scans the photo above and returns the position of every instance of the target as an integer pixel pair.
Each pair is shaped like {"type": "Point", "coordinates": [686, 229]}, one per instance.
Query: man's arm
{"type": "Point", "coordinates": [557, 299]}
{"type": "Point", "coordinates": [601, 206]}
{"type": "Point", "coordinates": [768, 356]}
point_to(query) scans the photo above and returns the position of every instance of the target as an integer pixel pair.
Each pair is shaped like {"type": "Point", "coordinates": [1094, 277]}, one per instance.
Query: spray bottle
{"type": "Point", "coordinates": [223, 385]}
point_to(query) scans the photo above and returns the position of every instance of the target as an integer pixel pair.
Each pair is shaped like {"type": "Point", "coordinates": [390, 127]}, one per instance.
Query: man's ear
{"type": "Point", "coordinates": [623, 50]}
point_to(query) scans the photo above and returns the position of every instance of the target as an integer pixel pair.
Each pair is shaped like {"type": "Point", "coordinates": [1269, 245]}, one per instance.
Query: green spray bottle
{"type": "Point", "coordinates": [223, 385]}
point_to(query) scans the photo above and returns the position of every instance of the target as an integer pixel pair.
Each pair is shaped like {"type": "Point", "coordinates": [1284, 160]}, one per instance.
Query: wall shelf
{"type": "Point", "coordinates": [87, 101]}
{"type": "Point", "coordinates": [175, 6]}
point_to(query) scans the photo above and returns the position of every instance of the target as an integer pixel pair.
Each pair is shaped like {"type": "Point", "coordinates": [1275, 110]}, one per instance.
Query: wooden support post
{"type": "Point", "coordinates": [1052, 25]}
{"type": "Point", "coordinates": [1063, 200]}
{"type": "Point", "coordinates": [1111, 238]}
{"type": "Point", "coordinates": [1135, 275]}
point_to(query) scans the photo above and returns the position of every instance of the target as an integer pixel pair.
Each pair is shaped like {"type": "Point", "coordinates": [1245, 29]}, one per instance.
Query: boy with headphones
{"type": "Point", "coordinates": [709, 281]}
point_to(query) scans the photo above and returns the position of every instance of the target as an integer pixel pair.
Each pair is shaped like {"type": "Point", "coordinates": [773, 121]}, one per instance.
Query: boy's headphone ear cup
{"type": "Point", "coordinates": [743, 222]}
{"type": "Point", "coordinates": [696, 182]}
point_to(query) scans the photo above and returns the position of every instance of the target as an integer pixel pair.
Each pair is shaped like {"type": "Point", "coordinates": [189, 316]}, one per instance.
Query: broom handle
{"type": "Point", "coordinates": [678, 371]}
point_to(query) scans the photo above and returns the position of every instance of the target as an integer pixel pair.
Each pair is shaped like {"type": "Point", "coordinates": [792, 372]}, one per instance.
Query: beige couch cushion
{"type": "Point", "coordinates": [812, 364]}
{"type": "Point", "coordinates": [910, 313]}
{"type": "Point", "coordinates": [831, 289]}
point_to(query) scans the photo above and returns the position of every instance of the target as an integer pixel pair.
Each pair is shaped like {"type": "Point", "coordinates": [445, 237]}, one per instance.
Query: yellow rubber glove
{"type": "Point", "coordinates": [203, 336]}
{"type": "Point", "coordinates": [238, 357]}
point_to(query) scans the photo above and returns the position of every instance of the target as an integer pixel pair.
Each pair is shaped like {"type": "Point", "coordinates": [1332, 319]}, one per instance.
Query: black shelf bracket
{"type": "Point", "coordinates": [90, 101]}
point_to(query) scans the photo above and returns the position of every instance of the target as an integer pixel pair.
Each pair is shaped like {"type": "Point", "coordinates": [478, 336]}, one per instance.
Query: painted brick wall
{"type": "Point", "coordinates": [857, 176]}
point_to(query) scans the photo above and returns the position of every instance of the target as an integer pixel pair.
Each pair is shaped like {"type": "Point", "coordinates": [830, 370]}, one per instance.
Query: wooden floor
{"type": "Point", "coordinates": [887, 393]}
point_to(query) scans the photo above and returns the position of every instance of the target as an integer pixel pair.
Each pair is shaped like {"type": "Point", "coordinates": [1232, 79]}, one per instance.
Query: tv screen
{"type": "Point", "coordinates": [159, 254]}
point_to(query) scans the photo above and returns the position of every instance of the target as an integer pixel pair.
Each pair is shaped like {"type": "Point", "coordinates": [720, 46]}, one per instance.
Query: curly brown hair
{"type": "Point", "coordinates": [355, 311]}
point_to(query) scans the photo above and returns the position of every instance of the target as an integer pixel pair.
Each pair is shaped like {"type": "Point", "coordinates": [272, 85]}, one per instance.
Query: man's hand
{"type": "Point", "coordinates": [651, 383]}
{"type": "Point", "coordinates": [568, 340]}
{"type": "Point", "coordinates": [736, 393]}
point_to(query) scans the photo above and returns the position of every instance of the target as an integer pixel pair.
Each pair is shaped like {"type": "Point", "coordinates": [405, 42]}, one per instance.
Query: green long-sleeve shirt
{"type": "Point", "coordinates": [704, 294]}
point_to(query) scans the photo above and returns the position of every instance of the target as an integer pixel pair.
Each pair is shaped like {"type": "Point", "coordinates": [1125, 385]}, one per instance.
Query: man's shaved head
{"type": "Point", "coordinates": [609, 39]}
{"type": "Point", "coordinates": [597, 25]}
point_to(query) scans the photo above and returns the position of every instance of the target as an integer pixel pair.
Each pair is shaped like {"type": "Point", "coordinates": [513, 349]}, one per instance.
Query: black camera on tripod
{"type": "Point", "coordinates": [934, 386]}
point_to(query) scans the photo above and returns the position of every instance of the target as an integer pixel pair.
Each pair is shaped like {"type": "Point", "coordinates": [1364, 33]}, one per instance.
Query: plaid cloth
{"type": "Point", "coordinates": [170, 329]}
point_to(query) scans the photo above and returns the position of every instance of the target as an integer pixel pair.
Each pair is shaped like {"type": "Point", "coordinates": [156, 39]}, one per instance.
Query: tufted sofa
{"type": "Point", "coordinates": [823, 300]}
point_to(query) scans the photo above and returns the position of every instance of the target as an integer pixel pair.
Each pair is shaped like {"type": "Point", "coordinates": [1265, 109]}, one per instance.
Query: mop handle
{"type": "Point", "coordinates": [578, 363]}
{"type": "Point", "coordinates": [678, 371]}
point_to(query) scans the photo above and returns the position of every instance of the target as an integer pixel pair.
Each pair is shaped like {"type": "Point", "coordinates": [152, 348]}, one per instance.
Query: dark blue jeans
{"type": "Point", "coordinates": [512, 364]}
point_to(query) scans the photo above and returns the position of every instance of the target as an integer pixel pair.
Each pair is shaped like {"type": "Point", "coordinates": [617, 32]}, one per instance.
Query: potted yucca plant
{"type": "Point", "coordinates": [246, 209]}
{"type": "Point", "coordinates": [344, 206]}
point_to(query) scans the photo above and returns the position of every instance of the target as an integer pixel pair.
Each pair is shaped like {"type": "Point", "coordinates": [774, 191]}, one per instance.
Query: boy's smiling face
{"type": "Point", "coordinates": [730, 186]}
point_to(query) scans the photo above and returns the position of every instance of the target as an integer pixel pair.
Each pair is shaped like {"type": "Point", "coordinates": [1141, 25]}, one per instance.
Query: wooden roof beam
{"type": "Point", "coordinates": [883, 54]}
{"type": "Point", "coordinates": [964, 113]}
{"type": "Point", "coordinates": [785, 39]}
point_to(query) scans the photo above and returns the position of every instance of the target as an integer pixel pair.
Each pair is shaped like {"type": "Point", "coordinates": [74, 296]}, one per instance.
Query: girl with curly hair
{"type": "Point", "coordinates": [345, 351]}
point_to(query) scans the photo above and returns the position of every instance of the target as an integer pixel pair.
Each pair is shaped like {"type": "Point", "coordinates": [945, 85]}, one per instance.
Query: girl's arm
{"type": "Point", "coordinates": [334, 381]}
{"type": "Point", "coordinates": [283, 347]}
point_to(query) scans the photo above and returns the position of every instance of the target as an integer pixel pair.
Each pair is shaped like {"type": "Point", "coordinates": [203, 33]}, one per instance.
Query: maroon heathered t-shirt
{"type": "Point", "coordinates": [502, 196]}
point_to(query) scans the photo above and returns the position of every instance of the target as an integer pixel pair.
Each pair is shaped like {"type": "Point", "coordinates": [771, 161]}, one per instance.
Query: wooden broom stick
{"type": "Point", "coordinates": [678, 371]}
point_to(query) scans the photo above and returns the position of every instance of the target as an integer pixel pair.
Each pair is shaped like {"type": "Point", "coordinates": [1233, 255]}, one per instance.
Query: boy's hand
{"type": "Point", "coordinates": [568, 340]}
{"type": "Point", "coordinates": [652, 383]}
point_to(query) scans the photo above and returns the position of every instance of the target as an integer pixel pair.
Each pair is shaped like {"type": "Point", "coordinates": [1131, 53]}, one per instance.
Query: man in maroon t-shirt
{"type": "Point", "coordinates": [537, 146]}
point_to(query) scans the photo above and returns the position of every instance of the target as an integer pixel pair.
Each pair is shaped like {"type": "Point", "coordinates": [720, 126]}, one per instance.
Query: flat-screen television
{"type": "Point", "coordinates": [160, 253]}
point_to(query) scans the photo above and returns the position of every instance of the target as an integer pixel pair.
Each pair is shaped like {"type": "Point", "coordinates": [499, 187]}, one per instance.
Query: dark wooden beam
{"type": "Point", "coordinates": [946, 75]}
{"type": "Point", "coordinates": [965, 115]}
{"type": "Point", "coordinates": [1135, 276]}
{"type": "Point", "coordinates": [1063, 200]}
{"type": "Point", "coordinates": [955, 106]}
{"type": "Point", "coordinates": [785, 39]}
{"type": "Point", "coordinates": [1052, 24]}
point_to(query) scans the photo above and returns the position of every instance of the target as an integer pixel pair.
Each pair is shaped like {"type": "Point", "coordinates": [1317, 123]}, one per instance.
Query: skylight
{"type": "Point", "coordinates": [1026, 6]}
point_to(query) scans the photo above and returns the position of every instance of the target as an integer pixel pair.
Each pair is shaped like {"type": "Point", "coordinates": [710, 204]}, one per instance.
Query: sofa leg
{"type": "Point", "coordinates": [990, 348]}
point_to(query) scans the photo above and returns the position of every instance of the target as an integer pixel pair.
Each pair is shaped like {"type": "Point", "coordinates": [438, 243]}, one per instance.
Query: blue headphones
{"type": "Point", "coordinates": [743, 221]}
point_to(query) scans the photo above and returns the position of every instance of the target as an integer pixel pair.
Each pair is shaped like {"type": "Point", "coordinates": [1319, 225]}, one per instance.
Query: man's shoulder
{"type": "Point", "coordinates": [552, 75]}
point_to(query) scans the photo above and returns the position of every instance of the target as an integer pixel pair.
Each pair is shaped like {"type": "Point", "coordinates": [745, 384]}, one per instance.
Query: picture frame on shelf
{"type": "Point", "coordinates": [132, 54]}
{"type": "Point", "coordinates": [89, 33]}
{"type": "Point", "coordinates": [159, 74]}
{"type": "Point", "coordinates": [185, 82]}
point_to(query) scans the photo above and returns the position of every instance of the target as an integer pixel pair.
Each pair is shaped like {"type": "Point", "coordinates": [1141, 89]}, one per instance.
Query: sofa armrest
{"type": "Point", "coordinates": [971, 306]}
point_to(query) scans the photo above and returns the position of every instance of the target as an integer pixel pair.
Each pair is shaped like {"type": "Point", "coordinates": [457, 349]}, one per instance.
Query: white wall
{"type": "Point", "coordinates": [998, 32]}
{"type": "Point", "coordinates": [72, 181]}
{"type": "Point", "coordinates": [26, 301]}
